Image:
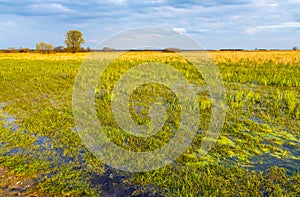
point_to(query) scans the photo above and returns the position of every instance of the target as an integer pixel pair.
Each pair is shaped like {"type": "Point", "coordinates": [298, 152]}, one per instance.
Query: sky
{"type": "Point", "coordinates": [214, 24]}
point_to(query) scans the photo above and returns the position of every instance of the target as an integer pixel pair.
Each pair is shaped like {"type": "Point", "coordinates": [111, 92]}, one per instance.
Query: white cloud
{"type": "Point", "coordinates": [10, 24]}
{"type": "Point", "coordinates": [49, 7]}
{"type": "Point", "coordinates": [236, 17]}
{"type": "Point", "coordinates": [293, 1]}
{"type": "Point", "coordinates": [215, 24]}
{"type": "Point", "coordinates": [180, 30]}
{"type": "Point", "coordinates": [266, 3]}
{"type": "Point", "coordinates": [118, 1]}
{"type": "Point", "coordinates": [268, 27]}
{"type": "Point", "coordinates": [155, 1]}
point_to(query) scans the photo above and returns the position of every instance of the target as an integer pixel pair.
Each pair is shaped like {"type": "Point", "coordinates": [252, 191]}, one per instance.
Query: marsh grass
{"type": "Point", "coordinates": [262, 122]}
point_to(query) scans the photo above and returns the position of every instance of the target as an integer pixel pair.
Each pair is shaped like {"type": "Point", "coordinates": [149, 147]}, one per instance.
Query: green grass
{"type": "Point", "coordinates": [262, 126]}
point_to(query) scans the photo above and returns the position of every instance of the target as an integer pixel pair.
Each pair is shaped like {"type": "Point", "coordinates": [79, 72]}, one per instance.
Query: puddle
{"type": "Point", "coordinates": [287, 144]}
{"type": "Point", "coordinates": [295, 150]}
{"type": "Point", "coordinates": [9, 120]}
{"type": "Point", "coordinates": [41, 141]}
{"type": "Point", "coordinates": [247, 132]}
{"type": "Point", "coordinates": [291, 146]}
{"type": "Point", "coordinates": [13, 151]}
{"type": "Point", "coordinates": [12, 127]}
{"type": "Point", "coordinates": [263, 162]}
{"type": "Point", "coordinates": [257, 120]}
{"type": "Point", "coordinates": [116, 183]}
{"type": "Point", "coordinates": [200, 131]}
{"type": "Point", "coordinates": [111, 182]}
{"type": "Point", "coordinates": [2, 105]}
{"type": "Point", "coordinates": [2, 144]}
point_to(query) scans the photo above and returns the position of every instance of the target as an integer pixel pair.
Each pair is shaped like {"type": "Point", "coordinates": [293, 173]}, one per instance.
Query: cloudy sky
{"type": "Point", "coordinates": [214, 24]}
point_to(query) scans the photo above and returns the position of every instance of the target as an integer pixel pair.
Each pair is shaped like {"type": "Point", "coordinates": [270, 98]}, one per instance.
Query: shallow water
{"type": "Point", "coordinates": [112, 182]}
{"type": "Point", "coordinates": [263, 162]}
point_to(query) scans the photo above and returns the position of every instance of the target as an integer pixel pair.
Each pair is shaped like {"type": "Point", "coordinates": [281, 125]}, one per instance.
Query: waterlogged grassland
{"type": "Point", "coordinates": [257, 152]}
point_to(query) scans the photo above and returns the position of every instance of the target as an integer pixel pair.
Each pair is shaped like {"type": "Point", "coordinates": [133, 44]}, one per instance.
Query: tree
{"type": "Point", "coordinates": [59, 49]}
{"type": "Point", "coordinates": [11, 50]}
{"type": "Point", "coordinates": [24, 50]}
{"type": "Point", "coordinates": [43, 47]}
{"type": "Point", "coordinates": [295, 48]}
{"type": "Point", "coordinates": [108, 49]}
{"type": "Point", "coordinates": [171, 50]}
{"type": "Point", "coordinates": [74, 40]}
{"type": "Point", "coordinates": [88, 49]}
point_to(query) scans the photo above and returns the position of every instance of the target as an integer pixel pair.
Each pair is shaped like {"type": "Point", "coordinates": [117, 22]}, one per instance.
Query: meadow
{"type": "Point", "coordinates": [256, 154]}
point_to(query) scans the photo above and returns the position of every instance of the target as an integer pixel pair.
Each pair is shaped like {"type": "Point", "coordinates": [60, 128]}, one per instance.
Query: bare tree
{"type": "Point", "coordinates": [43, 47]}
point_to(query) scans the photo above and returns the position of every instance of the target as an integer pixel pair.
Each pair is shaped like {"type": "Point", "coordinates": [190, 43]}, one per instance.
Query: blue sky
{"type": "Point", "coordinates": [214, 24]}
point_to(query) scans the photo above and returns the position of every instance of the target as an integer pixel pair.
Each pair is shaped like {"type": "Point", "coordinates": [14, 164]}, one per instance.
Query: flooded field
{"type": "Point", "coordinates": [257, 152]}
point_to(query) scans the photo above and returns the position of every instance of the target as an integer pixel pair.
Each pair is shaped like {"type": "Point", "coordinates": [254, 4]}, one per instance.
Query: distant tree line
{"type": "Point", "coordinates": [59, 49]}
{"type": "Point", "coordinates": [171, 50]}
{"type": "Point", "coordinates": [43, 47]}
{"type": "Point", "coordinates": [231, 49]}
{"type": "Point", "coordinates": [73, 41]}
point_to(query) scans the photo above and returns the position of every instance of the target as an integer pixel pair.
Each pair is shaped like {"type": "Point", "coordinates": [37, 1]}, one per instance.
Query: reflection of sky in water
{"type": "Point", "coordinates": [44, 146]}
{"type": "Point", "coordinates": [263, 162]}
